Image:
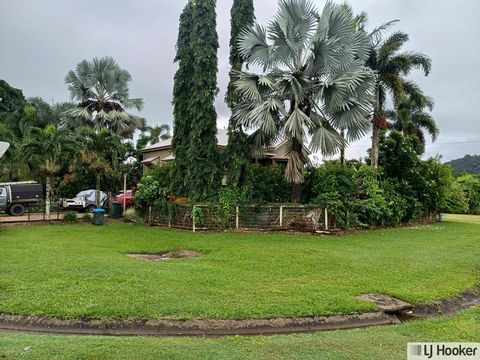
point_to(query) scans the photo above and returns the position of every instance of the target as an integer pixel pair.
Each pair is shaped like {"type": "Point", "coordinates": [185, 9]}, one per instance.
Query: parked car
{"type": "Point", "coordinates": [15, 197]}
{"type": "Point", "coordinates": [85, 201]}
{"type": "Point", "coordinates": [128, 198]}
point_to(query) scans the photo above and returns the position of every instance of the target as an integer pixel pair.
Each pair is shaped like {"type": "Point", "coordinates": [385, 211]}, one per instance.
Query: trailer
{"type": "Point", "coordinates": [16, 197]}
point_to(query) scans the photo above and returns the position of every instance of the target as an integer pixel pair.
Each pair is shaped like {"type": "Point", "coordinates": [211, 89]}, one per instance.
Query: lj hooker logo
{"type": "Point", "coordinates": [417, 351]}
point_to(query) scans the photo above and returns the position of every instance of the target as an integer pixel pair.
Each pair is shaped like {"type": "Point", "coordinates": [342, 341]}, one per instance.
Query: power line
{"type": "Point", "coordinates": [432, 144]}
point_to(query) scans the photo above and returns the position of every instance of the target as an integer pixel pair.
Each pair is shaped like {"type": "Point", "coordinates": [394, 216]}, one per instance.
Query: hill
{"type": "Point", "coordinates": [468, 164]}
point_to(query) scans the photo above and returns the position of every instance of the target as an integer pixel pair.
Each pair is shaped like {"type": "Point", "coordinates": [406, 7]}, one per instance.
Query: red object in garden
{"type": "Point", "coordinates": [129, 198]}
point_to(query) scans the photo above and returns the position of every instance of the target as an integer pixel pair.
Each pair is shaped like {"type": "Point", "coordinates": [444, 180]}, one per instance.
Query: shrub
{"type": "Point", "coordinates": [266, 185]}
{"type": "Point", "coordinates": [87, 218]}
{"type": "Point", "coordinates": [471, 186]}
{"type": "Point", "coordinates": [70, 217]}
{"type": "Point", "coordinates": [154, 185]}
{"type": "Point", "coordinates": [132, 215]}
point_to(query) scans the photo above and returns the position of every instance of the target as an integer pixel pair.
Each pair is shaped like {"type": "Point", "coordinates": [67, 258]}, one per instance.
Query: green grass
{"type": "Point", "coordinates": [382, 343]}
{"type": "Point", "coordinates": [81, 271]}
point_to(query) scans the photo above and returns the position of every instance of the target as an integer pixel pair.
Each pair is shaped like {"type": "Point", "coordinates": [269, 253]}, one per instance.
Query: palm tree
{"type": "Point", "coordinates": [392, 67]}
{"type": "Point", "coordinates": [152, 135]}
{"type": "Point", "coordinates": [48, 146]}
{"type": "Point", "coordinates": [410, 118]}
{"type": "Point", "coordinates": [313, 85]}
{"type": "Point", "coordinates": [101, 88]}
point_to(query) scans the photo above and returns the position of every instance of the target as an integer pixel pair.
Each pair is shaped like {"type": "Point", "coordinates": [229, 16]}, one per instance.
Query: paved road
{"type": "Point", "coordinates": [34, 217]}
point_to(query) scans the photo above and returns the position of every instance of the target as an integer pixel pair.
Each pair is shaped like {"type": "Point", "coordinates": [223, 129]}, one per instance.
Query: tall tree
{"type": "Point", "coordinates": [238, 152]}
{"type": "Point", "coordinates": [181, 101]}
{"type": "Point", "coordinates": [392, 67]}
{"type": "Point", "coordinates": [12, 103]}
{"type": "Point", "coordinates": [411, 117]}
{"type": "Point", "coordinates": [49, 147]}
{"type": "Point", "coordinates": [314, 82]}
{"type": "Point", "coordinates": [204, 174]}
{"type": "Point", "coordinates": [101, 88]}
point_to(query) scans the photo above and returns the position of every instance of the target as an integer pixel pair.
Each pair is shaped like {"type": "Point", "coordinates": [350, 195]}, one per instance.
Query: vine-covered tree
{"type": "Point", "coordinates": [238, 152]}
{"type": "Point", "coordinates": [181, 102]}
{"type": "Point", "coordinates": [314, 82]}
{"type": "Point", "coordinates": [204, 176]}
{"type": "Point", "coordinates": [101, 88]}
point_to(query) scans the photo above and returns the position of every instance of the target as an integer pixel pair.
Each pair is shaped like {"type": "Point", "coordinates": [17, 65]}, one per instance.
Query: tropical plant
{"type": "Point", "coordinates": [411, 119]}
{"type": "Point", "coordinates": [48, 147]}
{"type": "Point", "coordinates": [101, 88]}
{"type": "Point", "coordinates": [392, 67]}
{"type": "Point", "coordinates": [153, 134]}
{"type": "Point", "coordinates": [314, 82]}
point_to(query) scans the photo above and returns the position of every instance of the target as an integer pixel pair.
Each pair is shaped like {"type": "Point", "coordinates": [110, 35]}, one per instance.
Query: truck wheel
{"type": "Point", "coordinates": [17, 210]}
{"type": "Point", "coordinates": [90, 208]}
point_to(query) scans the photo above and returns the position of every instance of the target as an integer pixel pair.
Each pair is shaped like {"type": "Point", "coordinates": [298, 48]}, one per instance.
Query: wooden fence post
{"type": "Point", "coordinates": [237, 220]}
{"type": "Point", "coordinates": [326, 219]}
{"type": "Point", "coordinates": [150, 216]}
{"type": "Point", "coordinates": [193, 218]}
{"type": "Point", "coordinates": [281, 215]}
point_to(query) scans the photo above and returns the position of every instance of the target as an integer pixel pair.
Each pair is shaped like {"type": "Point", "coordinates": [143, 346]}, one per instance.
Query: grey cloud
{"type": "Point", "coordinates": [42, 40]}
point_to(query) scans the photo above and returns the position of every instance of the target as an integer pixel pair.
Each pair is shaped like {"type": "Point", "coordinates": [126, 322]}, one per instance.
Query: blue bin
{"type": "Point", "coordinates": [98, 216]}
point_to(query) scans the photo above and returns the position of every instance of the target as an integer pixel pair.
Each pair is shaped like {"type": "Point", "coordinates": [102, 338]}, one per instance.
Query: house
{"type": "Point", "coordinates": [161, 152]}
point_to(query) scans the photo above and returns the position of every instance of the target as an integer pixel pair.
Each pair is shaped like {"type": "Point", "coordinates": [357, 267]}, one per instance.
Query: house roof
{"type": "Point", "coordinates": [150, 159]}
{"type": "Point", "coordinates": [222, 141]}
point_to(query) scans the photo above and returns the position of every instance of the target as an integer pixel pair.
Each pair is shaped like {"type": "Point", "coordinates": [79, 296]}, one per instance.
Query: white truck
{"type": "Point", "coordinates": [85, 201]}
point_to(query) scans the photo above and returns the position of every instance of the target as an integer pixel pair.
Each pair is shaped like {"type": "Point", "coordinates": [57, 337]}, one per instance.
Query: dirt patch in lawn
{"type": "Point", "coordinates": [165, 255]}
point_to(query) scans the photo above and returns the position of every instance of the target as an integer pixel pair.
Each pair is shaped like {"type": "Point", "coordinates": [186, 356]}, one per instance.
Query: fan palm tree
{"type": "Point", "coordinates": [392, 67]}
{"type": "Point", "coordinates": [101, 88]}
{"type": "Point", "coordinates": [411, 119]}
{"type": "Point", "coordinates": [313, 85]}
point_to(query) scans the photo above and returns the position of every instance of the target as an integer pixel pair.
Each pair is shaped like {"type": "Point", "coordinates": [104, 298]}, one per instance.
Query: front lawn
{"type": "Point", "coordinates": [82, 271]}
{"type": "Point", "coordinates": [381, 343]}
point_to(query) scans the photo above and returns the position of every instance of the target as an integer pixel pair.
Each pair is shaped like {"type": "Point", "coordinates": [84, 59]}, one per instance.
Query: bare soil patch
{"type": "Point", "coordinates": [165, 255]}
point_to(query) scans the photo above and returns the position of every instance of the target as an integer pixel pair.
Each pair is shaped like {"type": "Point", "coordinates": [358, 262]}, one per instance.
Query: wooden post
{"type": "Point", "coordinates": [281, 215]}
{"type": "Point", "coordinates": [193, 218]}
{"type": "Point", "coordinates": [124, 193]}
{"type": "Point", "coordinates": [149, 215]}
{"type": "Point", "coordinates": [326, 219]}
{"type": "Point", "coordinates": [237, 220]}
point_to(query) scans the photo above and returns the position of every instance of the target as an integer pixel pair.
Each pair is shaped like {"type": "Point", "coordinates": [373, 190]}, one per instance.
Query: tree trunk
{"type": "Point", "coordinates": [375, 129]}
{"type": "Point", "coordinates": [342, 148]}
{"type": "Point", "coordinates": [296, 193]}
{"type": "Point", "coordinates": [97, 193]}
{"type": "Point", "coordinates": [375, 144]}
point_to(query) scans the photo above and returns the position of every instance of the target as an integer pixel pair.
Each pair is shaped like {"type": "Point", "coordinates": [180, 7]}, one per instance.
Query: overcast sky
{"type": "Point", "coordinates": [41, 40]}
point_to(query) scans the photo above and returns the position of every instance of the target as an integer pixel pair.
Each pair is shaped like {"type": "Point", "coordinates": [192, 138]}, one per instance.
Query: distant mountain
{"type": "Point", "coordinates": [468, 164]}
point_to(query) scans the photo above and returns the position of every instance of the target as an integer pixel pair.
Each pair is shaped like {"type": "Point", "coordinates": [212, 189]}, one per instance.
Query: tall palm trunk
{"type": "Point", "coordinates": [297, 180]}
{"type": "Point", "coordinates": [342, 148]}
{"type": "Point", "coordinates": [375, 143]}
{"type": "Point", "coordinates": [375, 128]}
